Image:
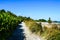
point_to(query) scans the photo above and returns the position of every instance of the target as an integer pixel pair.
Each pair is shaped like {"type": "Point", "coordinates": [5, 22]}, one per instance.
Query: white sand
{"type": "Point", "coordinates": [28, 34]}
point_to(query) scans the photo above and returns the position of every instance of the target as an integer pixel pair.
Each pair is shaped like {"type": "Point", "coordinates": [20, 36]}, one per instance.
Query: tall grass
{"type": "Point", "coordinates": [33, 26]}
{"type": "Point", "coordinates": [52, 33]}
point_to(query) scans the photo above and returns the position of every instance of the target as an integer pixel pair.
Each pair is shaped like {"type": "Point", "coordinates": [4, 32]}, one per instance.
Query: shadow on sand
{"type": "Point", "coordinates": [17, 34]}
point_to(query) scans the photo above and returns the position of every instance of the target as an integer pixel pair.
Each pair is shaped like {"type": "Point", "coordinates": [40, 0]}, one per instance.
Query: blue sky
{"type": "Point", "coordinates": [36, 9]}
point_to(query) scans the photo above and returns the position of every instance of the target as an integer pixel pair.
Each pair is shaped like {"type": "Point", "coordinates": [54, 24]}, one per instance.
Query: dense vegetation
{"type": "Point", "coordinates": [8, 22]}
{"type": "Point", "coordinates": [52, 33]}
{"type": "Point", "coordinates": [33, 26]}
{"type": "Point", "coordinates": [41, 20]}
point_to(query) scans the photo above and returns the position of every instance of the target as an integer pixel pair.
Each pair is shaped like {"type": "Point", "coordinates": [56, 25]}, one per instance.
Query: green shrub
{"type": "Point", "coordinates": [8, 22]}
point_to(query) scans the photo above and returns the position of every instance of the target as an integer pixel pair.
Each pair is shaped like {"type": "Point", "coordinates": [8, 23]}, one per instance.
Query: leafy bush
{"type": "Point", "coordinates": [8, 22]}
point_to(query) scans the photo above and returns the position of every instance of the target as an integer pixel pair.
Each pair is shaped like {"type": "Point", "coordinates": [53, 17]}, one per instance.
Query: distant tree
{"type": "Point", "coordinates": [10, 13]}
{"type": "Point", "coordinates": [49, 20]}
{"type": "Point", "coordinates": [41, 20]}
{"type": "Point", "coordinates": [2, 11]}
{"type": "Point", "coordinates": [28, 18]}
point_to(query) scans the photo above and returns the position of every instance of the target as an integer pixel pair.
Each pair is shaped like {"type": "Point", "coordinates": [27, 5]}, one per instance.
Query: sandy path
{"type": "Point", "coordinates": [28, 34]}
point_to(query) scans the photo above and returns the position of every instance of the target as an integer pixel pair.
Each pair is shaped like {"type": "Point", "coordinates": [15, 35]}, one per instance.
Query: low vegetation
{"type": "Point", "coordinates": [52, 33]}
{"type": "Point", "coordinates": [34, 27]}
